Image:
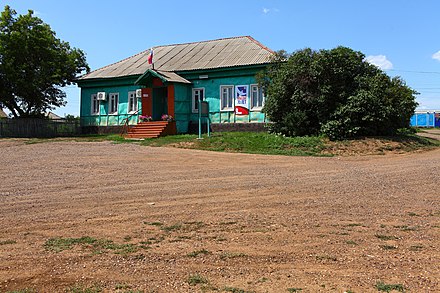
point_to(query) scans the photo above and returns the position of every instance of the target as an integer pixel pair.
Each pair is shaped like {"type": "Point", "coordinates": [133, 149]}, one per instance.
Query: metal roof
{"type": "Point", "coordinates": [166, 76]}
{"type": "Point", "coordinates": [230, 52]}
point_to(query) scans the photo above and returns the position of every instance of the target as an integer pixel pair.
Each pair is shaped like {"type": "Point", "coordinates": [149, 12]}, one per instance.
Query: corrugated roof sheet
{"type": "Point", "coordinates": [230, 52]}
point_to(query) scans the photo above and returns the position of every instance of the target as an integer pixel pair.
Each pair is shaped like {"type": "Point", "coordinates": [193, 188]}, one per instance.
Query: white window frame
{"type": "Point", "coordinates": [259, 90]}
{"type": "Point", "coordinates": [111, 97]}
{"type": "Point", "coordinates": [226, 108]}
{"type": "Point", "coordinates": [132, 96]}
{"type": "Point", "coordinates": [93, 99]}
{"type": "Point", "coordinates": [193, 97]}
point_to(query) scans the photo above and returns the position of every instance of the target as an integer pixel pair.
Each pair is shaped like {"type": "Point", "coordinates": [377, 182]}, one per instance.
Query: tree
{"type": "Point", "coordinates": [336, 93]}
{"type": "Point", "coordinates": [34, 65]}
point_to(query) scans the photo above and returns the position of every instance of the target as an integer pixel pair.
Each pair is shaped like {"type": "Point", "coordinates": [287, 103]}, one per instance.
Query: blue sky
{"type": "Point", "coordinates": [401, 36]}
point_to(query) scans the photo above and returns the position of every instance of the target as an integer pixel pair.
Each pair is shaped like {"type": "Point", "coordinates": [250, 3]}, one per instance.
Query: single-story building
{"type": "Point", "coordinates": [426, 118]}
{"type": "Point", "coordinates": [171, 79]}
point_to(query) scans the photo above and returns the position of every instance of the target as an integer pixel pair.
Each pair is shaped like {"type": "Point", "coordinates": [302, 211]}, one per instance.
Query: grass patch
{"type": "Point", "coordinates": [386, 237]}
{"type": "Point", "coordinates": [158, 224]}
{"type": "Point", "coordinates": [381, 286]}
{"type": "Point", "coordinates": [388, 247]}
{"type": "Point", "coordinates": [171, 228]}
{"type": "Point", "coordinates": [351, 242]}
{"type": "Point", "coordinates": [415, 247]}
{"type": "Point", "coordinates": [59, 244]}
{"type": "Point", "coordinates": [412, 214]}
{"type": "Point", "coordinates": [21, 291]}
{"type": "Point", "coordinates": [245, 142]}
{"type": "Point", "coordinates": [196, 253]}
{"type": "Point", "coordinates": [6, 242]}
{"type": "Point", "coordinates": [406, 228]}
{"type": "Point", "coordinates": [197, 279]}
{"type": "Point", "coordinates": [99, 245]}
{"type": "Point", "coordinates": [293, 290]}
{"type": "Point", "coordinates": [353, 225]}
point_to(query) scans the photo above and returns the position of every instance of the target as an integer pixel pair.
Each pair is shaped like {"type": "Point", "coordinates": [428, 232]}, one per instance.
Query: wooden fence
{"type": "Point", "coordinates": [32, 127]}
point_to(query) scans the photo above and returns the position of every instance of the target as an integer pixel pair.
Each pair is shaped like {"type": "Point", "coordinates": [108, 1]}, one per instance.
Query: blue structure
{"type": "Point", "coordinates": [426, 119]}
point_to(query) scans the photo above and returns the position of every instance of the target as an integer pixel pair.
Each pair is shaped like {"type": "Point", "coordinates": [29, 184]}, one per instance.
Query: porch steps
{"type": "Point", "coordinates": [151, 129]}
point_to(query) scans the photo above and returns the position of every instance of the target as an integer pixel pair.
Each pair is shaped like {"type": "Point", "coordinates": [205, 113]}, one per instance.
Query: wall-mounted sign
{"type": "Point", "coordinates": [241, 100]}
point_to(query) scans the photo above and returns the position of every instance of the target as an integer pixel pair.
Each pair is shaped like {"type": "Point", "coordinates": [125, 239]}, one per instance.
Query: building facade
{"type": "Point", "coordinates": [170, 80]}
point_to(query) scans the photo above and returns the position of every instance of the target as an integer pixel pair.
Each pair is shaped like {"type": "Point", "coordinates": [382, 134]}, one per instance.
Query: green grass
{"type": "Point", "coordinates": [172, 228]}
{"type": "Point", "coordinates": [154, 223]}
{"type": "Point", "coordinates": [386, 237]}
{"type": "Point", "coordinates": [197, 279]}
{"type": "Point", "coordinates": [196, 253]}
{"type": "Point", "coordinates": [388, 247]}
{"type": "Point", "coordinates": [99, 246]}
{"type": "Point", "coordinates": [406, 228]}
{"type": "Point", "coordinates": [415, 247]}
{"type": "Point", "coordinates": [258, 143]}
{"type": "Point", "coordinates": [59, 244]}
{"type": "Point", "coordinates": [6, 242]}
{"type": "Point", "coordinates": [381, 286]}
{"type": "Point", "coordinates": [245, 142]}
{"type": "Point", "coordinates": [353, 225]}
{"type": "Point", "coordinates": [293, 290]}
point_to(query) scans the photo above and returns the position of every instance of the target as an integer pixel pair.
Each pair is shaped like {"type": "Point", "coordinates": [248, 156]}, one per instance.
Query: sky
{"type": "Point", "coordinates": [401, 37]}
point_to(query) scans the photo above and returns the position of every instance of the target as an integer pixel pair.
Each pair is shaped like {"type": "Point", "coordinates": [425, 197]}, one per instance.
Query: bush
{"type": "Point", "coordinates": [335, 93]}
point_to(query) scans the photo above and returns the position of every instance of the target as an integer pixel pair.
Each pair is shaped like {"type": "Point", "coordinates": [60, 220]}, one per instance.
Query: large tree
{"type": "Point", "coordinates": [34, 65]}
{"type": "Point", "coordinates": [336, 93]}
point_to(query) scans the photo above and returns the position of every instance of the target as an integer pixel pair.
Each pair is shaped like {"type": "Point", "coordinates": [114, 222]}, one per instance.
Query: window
{"type": "Point", "coordinates": [227, 98]}
{"type": "Point", "coordinates": [113, 103]}
{"type": "Point", "coordinates": [132, 102]}
{"type": "Point", "coordinates": [197, 94]}
{"type": "Point", "coordinates": [257, 97]}
{"type": "Point", "coordinates": [95, 104]}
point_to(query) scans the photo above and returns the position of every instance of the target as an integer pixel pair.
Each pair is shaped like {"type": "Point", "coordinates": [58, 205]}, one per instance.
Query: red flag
{"type": "Point", "coordinates": [150, 57]}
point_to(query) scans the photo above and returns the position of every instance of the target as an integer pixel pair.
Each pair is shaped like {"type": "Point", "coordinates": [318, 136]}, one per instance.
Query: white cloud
{"type": "Point", "coordinates": [380, 61]}
{"type": "Point", "coordinates": [436, 56]}
{"type": "Point", "coordinates": [270, 10]}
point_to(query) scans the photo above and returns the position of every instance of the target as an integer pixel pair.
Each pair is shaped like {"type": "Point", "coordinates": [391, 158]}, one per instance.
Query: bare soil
{"type": "Point", "coordinates": [177, 220]}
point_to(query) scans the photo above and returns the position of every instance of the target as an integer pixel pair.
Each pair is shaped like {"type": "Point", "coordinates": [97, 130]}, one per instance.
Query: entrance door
{"type": "Point", "coordinates": [160, 102]}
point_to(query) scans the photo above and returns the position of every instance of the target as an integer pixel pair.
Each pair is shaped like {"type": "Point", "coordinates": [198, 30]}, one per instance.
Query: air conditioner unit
{"type": "Point", "coordinates": [138, 93]}
{"type": "Point", "coordinates": [101, 96]}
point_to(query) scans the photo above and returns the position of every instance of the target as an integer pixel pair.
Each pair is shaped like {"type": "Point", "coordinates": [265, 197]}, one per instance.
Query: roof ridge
{"type": "Point", "coordinates": [260, 44]}
{"type": "Point", "coordinates": [207, 41]}
{"type": "Point", "coordinates": [104, 67]}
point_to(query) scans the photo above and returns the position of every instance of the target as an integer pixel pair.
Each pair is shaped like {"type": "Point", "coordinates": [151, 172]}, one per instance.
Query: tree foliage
{"type": "Point", "coordinates": [34, 65]}
{"type": "Point", "coordinates": [336, 93]}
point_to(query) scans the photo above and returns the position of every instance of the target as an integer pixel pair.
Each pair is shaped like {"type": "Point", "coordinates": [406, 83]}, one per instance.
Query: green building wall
{"type": "Point", "coordinates": [122, 87]}
{"type": "Point", "coordinates": [210, 80]}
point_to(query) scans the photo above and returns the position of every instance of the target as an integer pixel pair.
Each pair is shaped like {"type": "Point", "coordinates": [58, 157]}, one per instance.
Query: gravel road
{"type": "Point", "coordinates": [175, 220]}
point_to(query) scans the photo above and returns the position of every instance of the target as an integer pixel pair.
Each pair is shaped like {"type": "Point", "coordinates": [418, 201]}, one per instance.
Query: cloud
{"type": "Point", "coordinates": [380, 61]}
{"type": "Point", "coordinates": [270, 10]}
{"type": "Point", "coordinates": [436, 56]}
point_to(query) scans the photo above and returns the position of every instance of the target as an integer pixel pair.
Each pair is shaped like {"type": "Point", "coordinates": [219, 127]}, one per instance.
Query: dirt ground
{"type": "Point", "coordinates": [90, 216]}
